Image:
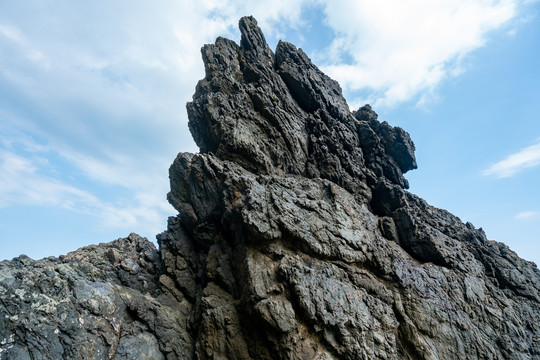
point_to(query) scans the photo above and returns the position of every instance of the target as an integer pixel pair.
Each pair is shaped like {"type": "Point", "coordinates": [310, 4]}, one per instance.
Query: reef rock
{"type": "Point", "coordinates": [295, 239]}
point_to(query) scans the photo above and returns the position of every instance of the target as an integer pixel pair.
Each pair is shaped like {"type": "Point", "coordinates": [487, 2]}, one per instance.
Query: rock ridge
{"type": "Point", "coordinates": [296, 239]}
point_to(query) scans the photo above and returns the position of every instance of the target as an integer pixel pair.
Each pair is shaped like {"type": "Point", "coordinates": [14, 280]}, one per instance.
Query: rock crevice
{"type": "Point", "coordinates": [296, 239]}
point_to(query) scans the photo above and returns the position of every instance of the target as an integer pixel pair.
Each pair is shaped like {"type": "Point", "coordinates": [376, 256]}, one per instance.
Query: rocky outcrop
{"type": "Point", "coordinates": [295, 239]}
{"type": "Point", "coordinates": [105, 301]}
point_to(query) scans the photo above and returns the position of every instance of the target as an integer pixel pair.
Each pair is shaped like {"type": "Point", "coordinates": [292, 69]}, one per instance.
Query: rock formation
{"type": "Point", "coordinates": [295, 239]}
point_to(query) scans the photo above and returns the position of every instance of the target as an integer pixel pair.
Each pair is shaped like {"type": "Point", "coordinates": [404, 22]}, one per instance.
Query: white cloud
{"type": "Point", "coordinates": [23, 181]}
{"type": "Point", "coordinates": [525, 158]}
{"type": "Point", "coordinates": [102, 87]}
{"type": "Point", "coordinates": [11, 33]}
{"type": "Point", "coordinates": [396, 50]}
{"type": "Point", "coordinates": [113, 67]}
{"type": "Point", "coordinates": [527, 215]}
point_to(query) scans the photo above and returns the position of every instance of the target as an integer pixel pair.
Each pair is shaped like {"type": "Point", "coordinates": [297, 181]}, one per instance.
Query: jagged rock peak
{"type": "Point", "coordinates": [253, 42]}
{"type": "Point", "coordinates": [304, 241]}
{"type": "Point", "coordinates": [295, 239]}
{"type": "Point", "coordinates": [281, 113]}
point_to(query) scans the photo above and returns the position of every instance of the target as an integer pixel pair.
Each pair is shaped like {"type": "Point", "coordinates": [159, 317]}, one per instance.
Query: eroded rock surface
{"type": "Point", "coordinates": [100, 302]}
{"type": "Point", "coordinates": [295, 239]}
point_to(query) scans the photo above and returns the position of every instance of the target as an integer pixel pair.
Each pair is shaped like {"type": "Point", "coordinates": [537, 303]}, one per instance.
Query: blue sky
{"type": "Point", "coordinates": [92, 105]}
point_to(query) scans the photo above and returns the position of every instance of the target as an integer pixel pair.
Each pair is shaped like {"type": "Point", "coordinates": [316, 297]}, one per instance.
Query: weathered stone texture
{"type": "Point", "coordinates": [295, 239]}
{"type": "Point", "coordinates": [99, 302]}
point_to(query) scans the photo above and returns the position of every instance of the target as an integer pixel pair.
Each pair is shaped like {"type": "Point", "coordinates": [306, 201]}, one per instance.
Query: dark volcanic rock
{"type": "Point", "coordinates": [295, 239]}
{"type": "Point", "coordinates": [100, 302]}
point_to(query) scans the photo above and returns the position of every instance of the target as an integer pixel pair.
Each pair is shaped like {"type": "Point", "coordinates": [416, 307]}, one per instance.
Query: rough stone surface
{"type": "Point", "coordinates": [295, 239]}
{"type": "Point", "coordinates": [100, 302]}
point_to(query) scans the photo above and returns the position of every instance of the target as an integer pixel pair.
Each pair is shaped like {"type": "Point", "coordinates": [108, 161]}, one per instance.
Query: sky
{"type": "Point", "coordinates": [93, 94]}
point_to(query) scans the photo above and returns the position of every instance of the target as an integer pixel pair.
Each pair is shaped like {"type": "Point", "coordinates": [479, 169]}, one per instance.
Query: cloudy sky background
{"type": "Point", "coordinates": [92, 105]}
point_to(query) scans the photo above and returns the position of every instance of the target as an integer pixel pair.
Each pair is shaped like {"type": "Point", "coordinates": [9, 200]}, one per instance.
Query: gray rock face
{"type": "Point", "coordinates": [295, 239]}
{"type": "Point", "coordinates": [103, 301]}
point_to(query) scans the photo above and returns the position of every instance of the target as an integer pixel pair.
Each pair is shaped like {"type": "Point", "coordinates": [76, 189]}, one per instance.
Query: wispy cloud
{"type": "Point", "coordinates": [525, 158]}
{"type": "Point", "coordinates": [106, 100]}
{"type": "Point", "coordinates": [527, 215]}
{"type": "Point", "coordinates": [21, 183]}
{"type": "Point", "coordinates": [29, 179]}
{"type": "Point", "coordinates": [397, 50]}
{"type": "Point", "coordinates": [103, 86]}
